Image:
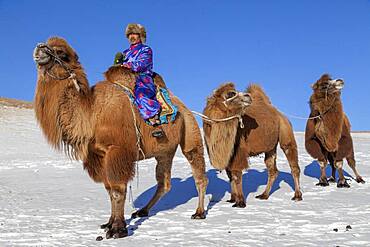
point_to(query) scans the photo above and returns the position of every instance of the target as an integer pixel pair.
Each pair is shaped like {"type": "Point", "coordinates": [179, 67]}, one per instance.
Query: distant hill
{"type": "Point", "coordinates": [16, 103]}
{"type": "Point", "coordinates": [29, 105]}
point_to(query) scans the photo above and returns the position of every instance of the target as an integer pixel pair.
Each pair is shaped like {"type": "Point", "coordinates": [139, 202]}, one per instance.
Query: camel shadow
{"type": "Point", "coordinates": [183, 190]}
{"type": "Point", "coordinates": [253, 179]}
{"type": "Point", "coordinates": [313, 170]}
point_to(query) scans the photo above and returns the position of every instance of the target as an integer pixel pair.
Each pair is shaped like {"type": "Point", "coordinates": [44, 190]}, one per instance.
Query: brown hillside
{"type": "Point", "coordinates": [16, 103]}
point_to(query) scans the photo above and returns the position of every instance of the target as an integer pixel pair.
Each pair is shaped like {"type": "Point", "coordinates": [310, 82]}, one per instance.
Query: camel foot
{"type": "Point", "coordinates": [322, 182]}
{"type": "Point", "coordinates": [263, 196]}
{"type": "Point", "coordinates": [199, 216]}
{"type": "Point", "coordinates": [106, 225]}
{"type": "Point", "coordinates": [331, 180]}
{"type": "Point", "coordinates": [297, 198]}
{"type": "Point", "coordinates": [360, 180]}
{"type": "Point", "coordinates": [140, 213]}
{"type": "Point", "coordinates": [240, 204]}
{"type": "Point", "coordinates": [343, 184]}
{"type": "Point", "coordinates": [231, 200]}
{"type": "Point", "coordinates": [117, 232]}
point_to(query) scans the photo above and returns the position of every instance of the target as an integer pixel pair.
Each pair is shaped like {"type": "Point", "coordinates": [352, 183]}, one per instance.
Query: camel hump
{"type": "Point", "coordinates": [258, 94]}
{"type": "Point", "coordinates": [128, 78]}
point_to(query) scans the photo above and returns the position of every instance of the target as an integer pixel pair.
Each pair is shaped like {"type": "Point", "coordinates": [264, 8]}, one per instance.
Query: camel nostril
{"type": "Point", "coordinates": [248, 97]}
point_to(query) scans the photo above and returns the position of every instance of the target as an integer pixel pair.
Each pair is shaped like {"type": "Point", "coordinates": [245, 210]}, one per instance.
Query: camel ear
{"type": "Point", "coordinates": [313, 86]}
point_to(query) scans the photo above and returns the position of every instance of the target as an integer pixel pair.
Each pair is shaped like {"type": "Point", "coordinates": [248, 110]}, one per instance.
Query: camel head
{"type": "Point", "coordinates": [57, 59]}
{"type": "Point", "coordinates": [55, 50]}
{"type": "Point", "coordinates": [327, 86]}
{"type": "Point", "coordinates": [220, 137]}
{"type": "Point", "coordinates": [227, 99]}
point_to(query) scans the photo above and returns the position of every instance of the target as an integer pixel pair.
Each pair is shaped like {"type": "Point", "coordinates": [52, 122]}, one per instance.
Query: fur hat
{"type": "Point", "coordinates": [136, 28]}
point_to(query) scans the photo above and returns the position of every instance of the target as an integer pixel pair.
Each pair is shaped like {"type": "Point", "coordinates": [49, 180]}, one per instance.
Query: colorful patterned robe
{"type": "Point", "coordinates": [139, 58]}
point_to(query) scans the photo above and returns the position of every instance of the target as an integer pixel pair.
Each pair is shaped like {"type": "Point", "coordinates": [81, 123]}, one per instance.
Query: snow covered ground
{"type": "Point", "coordinates": [48, 200]}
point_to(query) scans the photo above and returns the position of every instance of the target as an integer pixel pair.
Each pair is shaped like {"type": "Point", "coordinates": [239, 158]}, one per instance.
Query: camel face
{"type": "Point", "coordinates": [237, 100]}
{"type": "Point", "coordinates": [327, 85]}
{"type": "Point", "coordinates": [54, 49]}
{"type": "Point", "coordinates": [228, 97]}
{"type": "Point", "coordinates": [40, 54]}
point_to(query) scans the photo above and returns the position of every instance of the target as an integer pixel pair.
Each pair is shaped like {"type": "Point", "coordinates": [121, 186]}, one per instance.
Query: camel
{"type": "Point", "coordinates": [229, 145]}
{"type": "Point", "coordinates": [327, 135]}
{"type": "Point", "coordinates": [96, 125]}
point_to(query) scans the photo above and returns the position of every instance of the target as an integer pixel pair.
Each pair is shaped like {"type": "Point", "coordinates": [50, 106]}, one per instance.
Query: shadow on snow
{"type": "Point", "coordinates": [183, 190]}
{"type": "Point", "coordinates": [313, 170]}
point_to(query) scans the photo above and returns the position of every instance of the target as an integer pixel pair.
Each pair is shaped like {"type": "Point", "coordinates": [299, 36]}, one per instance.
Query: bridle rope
{"type": "Point", "coordinates": [71, 75]}
{"type": "Point", "coordinates": [219, 120]}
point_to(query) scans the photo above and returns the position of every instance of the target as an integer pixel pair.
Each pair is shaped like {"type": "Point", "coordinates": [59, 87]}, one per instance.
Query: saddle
{"type": "Point", "coordinates": [117, 75]}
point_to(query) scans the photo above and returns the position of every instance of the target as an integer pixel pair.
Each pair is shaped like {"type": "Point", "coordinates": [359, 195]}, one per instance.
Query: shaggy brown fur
{"type": "Point", "coordinates": [328, 137]}
{"type": "Point", "coordinates": [229, 146]}
{"type": "Point", "coordinates": [96, 125]}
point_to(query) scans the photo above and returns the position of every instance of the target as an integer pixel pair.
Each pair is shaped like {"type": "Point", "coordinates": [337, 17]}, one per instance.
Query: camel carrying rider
{"type": "Point", "coordinates": [139, 58]}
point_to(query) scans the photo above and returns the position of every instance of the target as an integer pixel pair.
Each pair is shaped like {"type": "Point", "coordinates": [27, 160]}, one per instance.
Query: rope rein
{"type": "Point", "coordinates": [218, 120]}
{"type": "Point", "coordinates": [315, 117]}
{"type": "Point", "coordinates": [138, 141]}
{"type": "Point", "coordinates": [71, 75]}
{"type": "Point", "coordinates": [303, 118]}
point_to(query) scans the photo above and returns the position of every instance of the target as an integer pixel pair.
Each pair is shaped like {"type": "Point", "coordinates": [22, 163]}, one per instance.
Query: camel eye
{"type": "Point", "coordinates": [325, 85]}
{"type": "Point", "coordinates": [62, 55]}
{"type": "Point", "coordinates": [230, 94]}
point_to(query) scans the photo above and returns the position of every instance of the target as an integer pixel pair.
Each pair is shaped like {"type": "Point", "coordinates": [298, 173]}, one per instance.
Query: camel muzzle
{"type": "Point", "coordinates": [246, 99]}
{"type": "Point", "coordinates": [40, 54]}
{"type": "Point", "coordinates": [338, 84]}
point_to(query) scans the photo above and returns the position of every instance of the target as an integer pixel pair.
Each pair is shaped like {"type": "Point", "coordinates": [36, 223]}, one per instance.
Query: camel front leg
{"type": "Point", "coordinates": [342, 182]}
{"type": "Point", "coordinates": [117, 222]}
{"type": "Point", "coordinates": [163, 176]}
{"type": "Point", "coordinates": [323, 180]}
{"type": "Point", "coordinates": [108, 225]}
{"type": "Point", "coordinates": [270, 161]}
{"type": "Point", "coordinates": [237, 188]}
{"type": "Point", "coordinates": [333, 169]}
{"type": "Point", "coordinates": [229, 175]}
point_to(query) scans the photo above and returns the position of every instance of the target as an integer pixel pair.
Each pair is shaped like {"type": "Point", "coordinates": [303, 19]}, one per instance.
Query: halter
{"type": "Point", "coordinates": [71, 75]}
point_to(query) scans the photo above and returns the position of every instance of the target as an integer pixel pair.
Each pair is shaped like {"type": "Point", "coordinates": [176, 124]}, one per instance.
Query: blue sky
{"type": "Point", "coordinates": [283, 45]}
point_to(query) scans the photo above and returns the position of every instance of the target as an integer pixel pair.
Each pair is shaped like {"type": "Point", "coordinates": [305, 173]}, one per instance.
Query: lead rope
{"type": "Point", "coordinates": [218, 120]}
{"type": "Point", "coordinates": [139, 149]}
{"type": "Point", "coordinates": [309, 118]}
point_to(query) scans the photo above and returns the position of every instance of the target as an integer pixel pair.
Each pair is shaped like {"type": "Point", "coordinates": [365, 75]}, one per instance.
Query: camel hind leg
{"type": "Point", "coordinates": [192, 148]}
{"type": "Point", "coordinates": [270, 161]}
{"type": "Point", "coordinates": [289, 146]}
{"type": "Point", "coordinates": [163, 176]}
{"type": "Point", "coordinates": [352, 163]}
{"type": "Point", "coordinates": [291, 154]}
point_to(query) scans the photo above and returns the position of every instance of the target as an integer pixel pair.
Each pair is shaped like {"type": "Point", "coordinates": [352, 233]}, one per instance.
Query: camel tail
{"type": "Point", "coordinates": [257, 93]}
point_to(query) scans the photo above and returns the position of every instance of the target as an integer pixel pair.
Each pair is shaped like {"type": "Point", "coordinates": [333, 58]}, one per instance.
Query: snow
{"type": "Point", "coordinates": [48, 200]}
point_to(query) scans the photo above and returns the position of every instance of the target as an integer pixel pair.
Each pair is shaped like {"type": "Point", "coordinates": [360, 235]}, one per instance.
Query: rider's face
{"type": "Point", "coordinates": [134, 38]}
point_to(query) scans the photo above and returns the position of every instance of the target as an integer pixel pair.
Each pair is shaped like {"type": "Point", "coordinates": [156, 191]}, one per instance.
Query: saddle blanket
{"type": "Point", "coordinates": [168, 110]}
